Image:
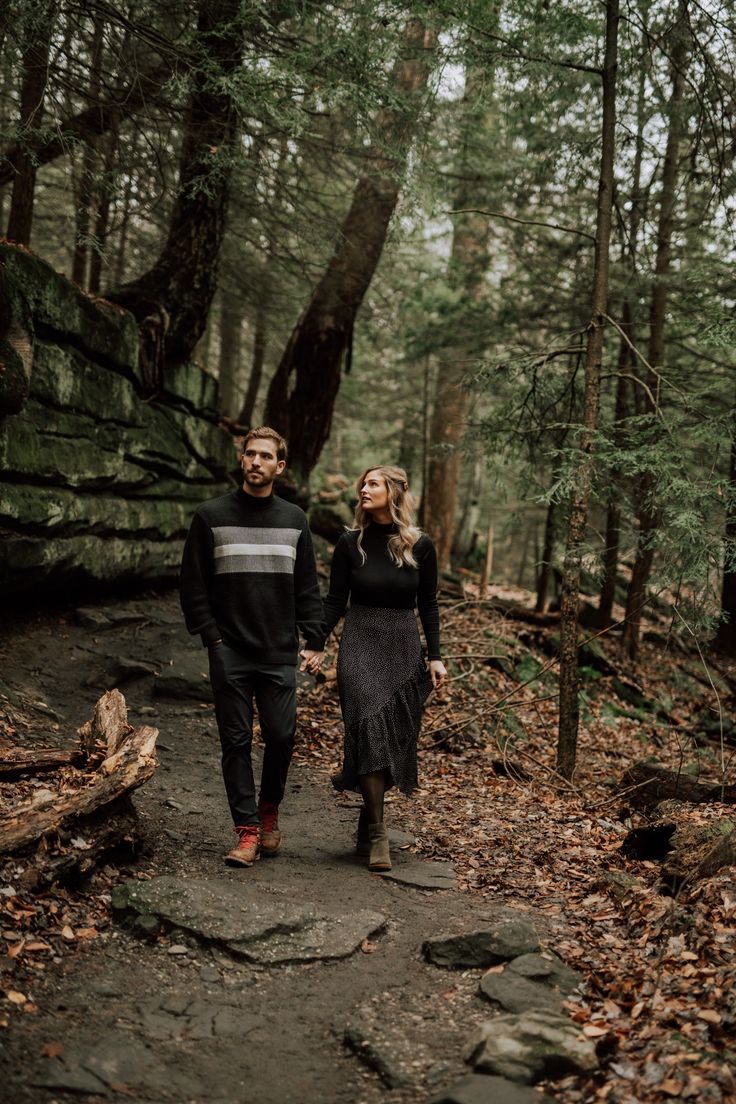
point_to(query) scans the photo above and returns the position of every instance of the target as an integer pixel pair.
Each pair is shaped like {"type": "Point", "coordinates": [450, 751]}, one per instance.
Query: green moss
{"type": "Point", "coordinates": [103, 330]}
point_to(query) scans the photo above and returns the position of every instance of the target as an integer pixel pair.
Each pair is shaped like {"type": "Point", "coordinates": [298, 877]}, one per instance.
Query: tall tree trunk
{"type": "Point", "coordinates": [545, 565]}
{"type": "Point", "coordinates": [175, 295]}
{"type": "Point", "coordinates": [466, 536]}
{"type": "Point", "coordinates": [231, 323]}
{"type": "Point", "coordinates": [604, 613]}
{"type": "Point", "coordinates": [577, 523]}
{"type": "Point", "coordinates": [468, 264]}
{"type": "Point", "coordinates": [260, 338]}
{"type": "Point", "coordinates": [87, 183]}
{"type": "Point", "coordinates": [524, 557]}
{"type": "Point", "coordinates": [302, 392]}
{"type": "Point", "coordinates": [626, 360]}
{"type": "Point", "coordinates": [648, 514]}
{"type": "Point", "coordinates": [22, 163]}
{"type": "Point", "coordinates": [726, 635]}
{"type": "Point", "coordinates": [427, 390]}
{"type": "Point", "coordinates": [105, 192]}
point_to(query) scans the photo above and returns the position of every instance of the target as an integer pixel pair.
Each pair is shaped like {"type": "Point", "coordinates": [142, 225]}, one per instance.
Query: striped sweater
{"type": "Point", "coordinates": [248, 576]}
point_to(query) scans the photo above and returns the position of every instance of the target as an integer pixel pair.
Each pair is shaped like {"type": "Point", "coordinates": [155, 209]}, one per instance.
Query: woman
{"type": "Point", "coordinates": [386, 567]}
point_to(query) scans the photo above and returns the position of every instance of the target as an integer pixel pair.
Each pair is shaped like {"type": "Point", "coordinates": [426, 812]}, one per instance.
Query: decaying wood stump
{"type": "Point", "coordinates": [692, 841]}
{"type": "Point", "coordinates": [100, 737]}
{"type": "Point", "coordinates": [84, 811]}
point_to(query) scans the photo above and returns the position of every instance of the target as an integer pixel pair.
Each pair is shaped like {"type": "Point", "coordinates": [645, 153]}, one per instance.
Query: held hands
{"type": "Point", "coordinates": [438, 671]}
{"type": "Point", "coordinates": [312, 661]}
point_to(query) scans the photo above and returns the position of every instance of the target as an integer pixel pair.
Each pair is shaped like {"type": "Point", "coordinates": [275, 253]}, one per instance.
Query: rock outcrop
{"type": "Point", "coordinates": [99, 478]}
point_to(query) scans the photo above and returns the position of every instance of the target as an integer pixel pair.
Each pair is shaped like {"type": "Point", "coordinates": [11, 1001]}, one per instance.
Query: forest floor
{"type": "Point", "coordinates": [658, 996]}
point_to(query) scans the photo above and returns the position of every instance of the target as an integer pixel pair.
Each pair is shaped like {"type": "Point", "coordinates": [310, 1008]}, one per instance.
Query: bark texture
{"type": "Point", "coordinates": [577, 524]}
{"type": "Point", "coordinates": [302, 392]}
{"type": "Point", "coordinates": [115, 773]}
{"type": "Point", "coordinates": [21, 163]}
{"type": "Point", "coordinates": [648, 513]}
{"type": "Point", "coordinates": [726, 635]}
{"type": "Point", "coordinates": [468, 265]}
{"type": "Point", "coordinates": [172, 300]}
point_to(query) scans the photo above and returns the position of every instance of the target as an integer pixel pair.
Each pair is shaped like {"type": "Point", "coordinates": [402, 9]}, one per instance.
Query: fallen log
{"type": "Point", "coordinates": [129, 762]}
{"type": "Point", "coordinates": [645, 785]}
{"type": "Point", "coordinates": [84, 843]}
{"type": "Point", "coordinates": [15, 761]}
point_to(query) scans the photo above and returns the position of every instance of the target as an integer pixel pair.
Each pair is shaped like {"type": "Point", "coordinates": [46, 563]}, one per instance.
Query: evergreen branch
{"type": "Point", "coordinates": [523, 222]}
{"type": "Point", "coordinates": [642, 383]}
{"type": "Point", "coordinates": [516, 53]}
{"type": "Point", "coordinates": [637, 352]}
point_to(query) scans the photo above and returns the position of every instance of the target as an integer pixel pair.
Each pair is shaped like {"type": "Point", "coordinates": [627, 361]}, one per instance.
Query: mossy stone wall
{"type": "Point", "coordinates": [97, 483]}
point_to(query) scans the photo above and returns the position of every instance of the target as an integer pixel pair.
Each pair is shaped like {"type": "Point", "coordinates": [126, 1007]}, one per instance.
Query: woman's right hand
{"type": "Point", "coordinates": [438, 671]}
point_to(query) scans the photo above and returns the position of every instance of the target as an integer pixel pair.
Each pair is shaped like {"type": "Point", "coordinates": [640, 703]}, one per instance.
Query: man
{"type": "Point", "coordinates": [248, 583]}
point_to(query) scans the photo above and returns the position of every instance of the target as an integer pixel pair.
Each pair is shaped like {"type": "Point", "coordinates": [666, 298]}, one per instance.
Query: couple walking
{"type": "Point", "coordinates": [249, 586]}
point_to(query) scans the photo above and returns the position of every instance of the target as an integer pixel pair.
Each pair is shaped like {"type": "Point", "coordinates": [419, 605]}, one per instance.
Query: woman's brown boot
{"type": "Point", "coordinates": [362, 841]}
{"type": "Point", "coordinates": [378, 856]}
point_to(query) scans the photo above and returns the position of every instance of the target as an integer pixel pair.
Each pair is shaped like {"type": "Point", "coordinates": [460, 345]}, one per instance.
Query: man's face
{"type": "Point", "coordinates": [260, 464]}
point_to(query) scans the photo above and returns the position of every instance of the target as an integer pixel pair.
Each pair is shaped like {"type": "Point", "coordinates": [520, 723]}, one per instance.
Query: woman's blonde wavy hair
{"type": "Point", "coordinates": [400, 544]}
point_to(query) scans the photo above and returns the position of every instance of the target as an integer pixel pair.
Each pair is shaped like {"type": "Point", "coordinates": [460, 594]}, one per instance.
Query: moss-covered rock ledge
{"type": "Point", "coordinates": [97, 483]}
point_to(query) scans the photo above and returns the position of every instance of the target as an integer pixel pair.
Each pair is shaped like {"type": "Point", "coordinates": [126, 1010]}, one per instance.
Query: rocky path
{"type": "Point", "coordinates": [303, 979]}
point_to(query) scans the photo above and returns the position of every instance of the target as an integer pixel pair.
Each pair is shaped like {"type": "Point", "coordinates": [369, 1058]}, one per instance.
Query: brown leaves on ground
{"type": "Point", "coordinates": [659, 998]}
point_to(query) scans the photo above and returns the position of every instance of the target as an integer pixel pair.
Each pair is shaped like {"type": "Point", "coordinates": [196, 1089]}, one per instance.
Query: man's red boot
{"type": "Point", "coordinates": [245, 852]}
{"type": "Point", "coordinates": [269, 836]}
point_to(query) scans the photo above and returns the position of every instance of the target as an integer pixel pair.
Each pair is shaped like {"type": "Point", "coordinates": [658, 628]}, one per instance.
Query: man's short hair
{"type": "Point", "coordinates": [270, 435]}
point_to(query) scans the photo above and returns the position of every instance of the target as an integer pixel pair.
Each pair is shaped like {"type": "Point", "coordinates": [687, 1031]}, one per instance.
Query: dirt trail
{"type": "Point", "coordinates": [139, 1022]}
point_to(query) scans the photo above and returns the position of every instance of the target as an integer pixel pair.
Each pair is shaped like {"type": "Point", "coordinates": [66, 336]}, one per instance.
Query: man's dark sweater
{"type": "Point", "coordinates": [248, 576]}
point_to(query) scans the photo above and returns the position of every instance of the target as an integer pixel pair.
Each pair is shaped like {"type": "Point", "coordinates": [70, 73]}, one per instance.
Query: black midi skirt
{"type": "Point", "coordinates": [383, 683]}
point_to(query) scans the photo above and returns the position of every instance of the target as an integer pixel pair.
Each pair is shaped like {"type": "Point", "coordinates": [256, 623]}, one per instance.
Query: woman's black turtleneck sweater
{"type": "Point", "coordinates": [379, 582]}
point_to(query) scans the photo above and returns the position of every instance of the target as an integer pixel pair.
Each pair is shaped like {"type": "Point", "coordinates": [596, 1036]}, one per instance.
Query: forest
{"type": "Point", "coordinates": [491, 242]}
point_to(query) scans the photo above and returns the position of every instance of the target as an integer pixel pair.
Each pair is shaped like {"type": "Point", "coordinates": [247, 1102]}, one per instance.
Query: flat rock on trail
{"type": "Point", "coordinates": [260, 980]}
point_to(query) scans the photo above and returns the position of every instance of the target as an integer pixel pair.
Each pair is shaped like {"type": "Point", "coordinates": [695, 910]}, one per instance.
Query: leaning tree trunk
{"type": "Point", "coordinates": [21, 162]}
{"type": "Point", "coordinates": [468, 264]}
{"type": "Point", "coordinates": [648, 515]}
{"type": "Point", "coordinates": [175, 295]}
{"type": "Point", "coordinates": [577, 524]}
{"type": "Point", "coordinates": [302, 392]}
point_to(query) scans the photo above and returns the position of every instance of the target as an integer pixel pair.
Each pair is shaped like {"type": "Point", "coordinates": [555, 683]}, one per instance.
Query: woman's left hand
{"type": "Point", "coordinates": [438, 671]}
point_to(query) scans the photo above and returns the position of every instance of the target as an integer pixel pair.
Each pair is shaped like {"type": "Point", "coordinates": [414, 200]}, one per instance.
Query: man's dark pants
{"type": "Point", "coordinates": [236, 682]}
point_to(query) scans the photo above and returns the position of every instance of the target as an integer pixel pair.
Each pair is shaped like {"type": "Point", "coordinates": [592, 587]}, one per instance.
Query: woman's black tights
{"type": "Point", "coordinates": [373, 787]}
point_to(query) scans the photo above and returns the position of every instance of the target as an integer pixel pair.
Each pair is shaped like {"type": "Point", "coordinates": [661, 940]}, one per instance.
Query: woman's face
{"type": "Point", "coordinates": [374, 492]}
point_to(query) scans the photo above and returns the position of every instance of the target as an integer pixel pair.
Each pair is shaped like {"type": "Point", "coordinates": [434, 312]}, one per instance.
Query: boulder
{"type": "Point", "coordinates": [531, 1047]}
{"type": "Point", "coordinates": [235, 917]}
{"type": "Point", "coordinates": [478, 1088]}
{"type": "Point", "coordinates": [507, 936]}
